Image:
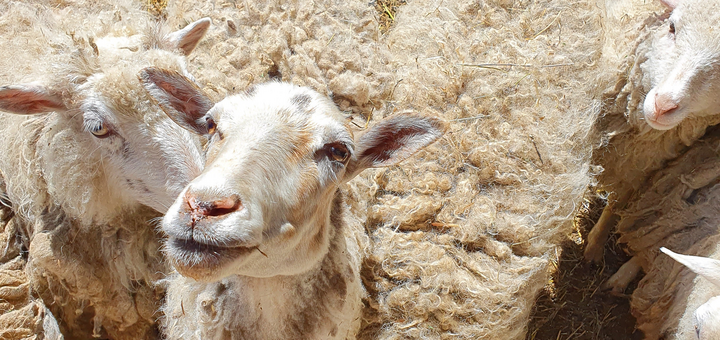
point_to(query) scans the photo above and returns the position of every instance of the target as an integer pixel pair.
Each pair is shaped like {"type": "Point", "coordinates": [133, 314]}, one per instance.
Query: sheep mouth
{"type": "Point", "coordinates": [668, 119]}
{"type": "Point", "coordinates": [661, 125]}
{"type": "Point", "coordinates": [191, 256]}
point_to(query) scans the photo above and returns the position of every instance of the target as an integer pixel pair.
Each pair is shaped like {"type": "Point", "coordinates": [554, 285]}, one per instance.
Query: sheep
{"type": "Point", "coordinates": [675, 208]}
{"type": "Point", "coordinates": [460, 240]}
{"type": "Point", "coordinates": [89, 160]}
{"type": "Point", "coordinates": [706, 318]}
{"type": "Point", "coordinates": [258, 237]}
{"type": "Point", "coordinates": [675, 63]}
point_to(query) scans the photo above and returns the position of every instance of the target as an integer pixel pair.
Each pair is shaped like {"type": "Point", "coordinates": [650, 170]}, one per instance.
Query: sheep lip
{"type": "Point", "coordinates": [658, 121]}
{"type": "Point", "coordinates": [191, 245]}
{"type": "Point", "coordinates": [189, 255]}
{"type": "Point", "coordinates": [660, 125]}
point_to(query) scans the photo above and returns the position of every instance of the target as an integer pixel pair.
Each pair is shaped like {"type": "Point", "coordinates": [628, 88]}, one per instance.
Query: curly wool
{"type": "Point", "coordinates": [463, 235]}
{"type": "Point", "coordinates": [93, 255]}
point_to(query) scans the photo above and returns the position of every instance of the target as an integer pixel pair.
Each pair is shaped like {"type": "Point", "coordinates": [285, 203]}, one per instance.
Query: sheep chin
{"type": "Point", "coordinates": [203, 262]}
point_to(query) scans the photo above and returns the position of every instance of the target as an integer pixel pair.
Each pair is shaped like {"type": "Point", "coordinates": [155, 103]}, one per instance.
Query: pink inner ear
{"type": "Point", "coordinates": [671, 4]}
{"type": "Point", "coordinates": [28, 101]}
{"type": "Point", "coordinates": [183, 96]}
{"type": "Point", "coordinates": [183, 101]}
{"type": "Point", "coordinates": [389, 142]}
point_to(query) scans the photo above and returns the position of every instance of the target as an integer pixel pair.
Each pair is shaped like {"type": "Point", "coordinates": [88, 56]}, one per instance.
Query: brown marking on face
{"type": "Point", "coordinates": [307, 189]}
{"type": "Point", "coordinates": [336, 223]}
{"type": "Point", "coordinates": [299, 140]}
{"type": "Point", "coordinates": [308, 183]}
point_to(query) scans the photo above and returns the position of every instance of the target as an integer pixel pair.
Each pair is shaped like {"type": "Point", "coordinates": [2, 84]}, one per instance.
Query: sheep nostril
{"type": "Point", "coordinates": [224, 206]}
{"type": "Point", "coordinates": [217, 207]}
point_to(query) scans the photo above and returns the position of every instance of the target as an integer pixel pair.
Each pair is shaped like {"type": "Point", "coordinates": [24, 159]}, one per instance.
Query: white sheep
{"type": "Point", "coordinates": [482, 214]}
{"type": "Point", "coordinates": [706, 318]}
{"type": "Point", "coordinates": [89, 160]}
{"type": "Point", "coordinates": [259, 236]}
{"type": "Point", "coordinates": [676, 208]}
{"type": "Point", "coordinates": [676, 64]}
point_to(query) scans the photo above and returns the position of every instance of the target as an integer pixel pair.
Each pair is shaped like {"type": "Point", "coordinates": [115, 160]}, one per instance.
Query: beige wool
{"type": "Point", "coordinates": [21, 315]}
{"type": "Point", "coordinates": [461, 237]}
{"type": "Point", "coordinates": [86, 244]}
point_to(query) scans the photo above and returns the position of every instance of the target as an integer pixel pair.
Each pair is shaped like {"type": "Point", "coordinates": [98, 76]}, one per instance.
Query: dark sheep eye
{"type": "Point", "coordinates": [210, 125]}
{"type": "Point", "coordinates": [338, 152]}
{"type": "Point", "coordinates": [100, 131]}
{"type": "Point", "coordinates": [672, 28]}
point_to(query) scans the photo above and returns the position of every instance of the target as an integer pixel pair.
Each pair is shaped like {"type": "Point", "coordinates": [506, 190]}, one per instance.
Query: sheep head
{"type": "Point", "coordinates": [683, 66]}
{"type": "Point", "coordinates": [276, 156]}
{"type": "Point", "coordinates": [100, 122]}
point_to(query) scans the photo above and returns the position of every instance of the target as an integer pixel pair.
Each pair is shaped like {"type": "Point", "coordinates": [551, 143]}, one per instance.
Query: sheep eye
{"type": "Point", "coordinates": [672, 28]}
{"type": "Point", "coordinates": [210, 125]}
{"type": "Point", "coordinates": [100, 131]}
{"type": "Point", "coordinates": [338, 152]}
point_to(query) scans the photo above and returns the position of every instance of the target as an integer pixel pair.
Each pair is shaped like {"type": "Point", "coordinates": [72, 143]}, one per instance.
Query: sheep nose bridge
{"type": "Point", "coordinates": [202, 207]}
{"type": "Point", "coordinates": [685, 75]}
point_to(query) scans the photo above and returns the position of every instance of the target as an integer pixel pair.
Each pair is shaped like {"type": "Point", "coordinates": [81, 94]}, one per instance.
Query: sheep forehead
{"type": "Point", "coordinates": [281, 109]}
{"type": "Point", "coordinates": [117, 89]}
{"type": "Point", "coordinates": [111, 49]}
{"type": "Point", "coordinates": [697, 22]}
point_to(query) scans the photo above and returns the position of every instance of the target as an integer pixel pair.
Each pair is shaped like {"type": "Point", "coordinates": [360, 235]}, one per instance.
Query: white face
{"type": "Point", "coordinates": [275, 159]}
{"type": "Point", "coordinates": [107, 146]}
{"type": "Point", "coordinates": [683, 65]}
{"type": "Point", "coordinates": [265, 205]}
{"type": "Point", "coordinates": [147, 158]}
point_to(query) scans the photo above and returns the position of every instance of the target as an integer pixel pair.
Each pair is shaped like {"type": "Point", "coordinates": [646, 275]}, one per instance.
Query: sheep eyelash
{"type": "Point", "coordinates": [97, 127]}
{"type": "Point", "coordinates": [90, 125]}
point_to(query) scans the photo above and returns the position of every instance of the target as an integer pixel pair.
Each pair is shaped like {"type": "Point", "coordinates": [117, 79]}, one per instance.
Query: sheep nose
{"type": "Point", "coordinates": [206, 208]}
{"type": "Point", "coordinates": [664, 104]}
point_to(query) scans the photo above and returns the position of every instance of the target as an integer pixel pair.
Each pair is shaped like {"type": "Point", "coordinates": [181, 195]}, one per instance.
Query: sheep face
{"type": "Point", "coordinates": [147, 157]}
{"type": "Point", "coordinates": [683, 66]}
{"type": "Point", "coordinates": [276, 157]}
{"type": "Point", "coordinates": [138, 155]}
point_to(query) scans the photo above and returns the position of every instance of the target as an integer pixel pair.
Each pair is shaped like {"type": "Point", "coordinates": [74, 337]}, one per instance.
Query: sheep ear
{"type": "Point", "coordinates": [28, 99]}
{"type": "Point", "coordinates": [393, 140]}
{"type": "Point", "coordinates": [703, 266]}
{"type": "Point", "coordinates": [187, 38]}
{"type": "Point", "coordinates": [182, 100]}
{"type": "Point", "coordinates": [671, 4]}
